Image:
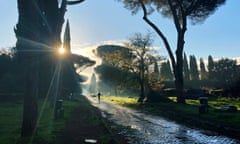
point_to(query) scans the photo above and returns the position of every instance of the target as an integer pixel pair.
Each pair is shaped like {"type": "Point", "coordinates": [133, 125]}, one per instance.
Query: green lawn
{"type": "Point", "coordinates": [11, 119]}
{"type": "Point", "coordinates": [10, 122]}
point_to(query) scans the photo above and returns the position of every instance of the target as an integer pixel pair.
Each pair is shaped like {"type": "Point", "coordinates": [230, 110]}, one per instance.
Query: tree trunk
{"type": "Point", "coordinates": [141, 97]}
{"type": "Point", "coordinates": [27, 32]}
{"type": "Point", "coordinates": [142, 82]}
{"type": "Point", "coordinates": [179, 83]}
{"type": "Point", "coordinates": [179, 87]}
{"type": "Point", "coordinates": [30, 110]}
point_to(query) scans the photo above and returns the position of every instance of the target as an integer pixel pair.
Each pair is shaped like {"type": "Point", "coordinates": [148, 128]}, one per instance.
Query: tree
{"type": "Point", "coordinates": [203, 72]}
{"type": "Point", "coordinates": [180, 11]}
{"type": "Point", "coordinates": [156, 72]}
{"type": "Point", "coordinates": [68, 78]}
{"type": "Point", "coordinates": [93, 84]}
{"type": "Point", "coordinates": [210, 68]}
{"type": "Point", "coordinates": [7, 77]}
{"type": "Point", "coordinates": [194, 75]}
{"type": "Point", "coordinates": [5, 63]}
{"type": "Point", "coordinates": [226, 71]}
{"type": "Point", "coordinates": [166, 72]}
{"type": "Point", "coordinates": [38, 29]}
{"type": "Point", "coordinates": [139, 46]}
{"type": "Point", "coordinates": [186, 72]}
{"type": "Point", "coordinates": [112, 72]}
{"type": "Point", "coordinates": [10, 72]}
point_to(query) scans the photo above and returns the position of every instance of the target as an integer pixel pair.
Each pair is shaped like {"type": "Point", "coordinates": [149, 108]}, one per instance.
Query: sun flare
{"type": "Point", "coordinates": [61, 50]}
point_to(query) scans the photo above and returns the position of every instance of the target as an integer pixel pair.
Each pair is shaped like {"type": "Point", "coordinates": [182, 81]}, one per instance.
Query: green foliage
{"type": "Point", "coordinates": [127, 64]}
{"type": "Point", "coordinates": [113, 79]}
{"type": "Point", "coordinates": [113, 73]}
{"type": "Point", "coordinates": [226, 71]}
{"type": "Point", "coordinates": [194, 75]}
{"type": "Point", "coordinates": [197, 10]}
{"type": "Point", "coordinates": [166, 72]}
{"type": "Point", "coordinates": [10, 74]}
{"type": "Point", "coordinates": [93, 84]}
{"type": "Point", "coordinates": [102, 50]}
{"type": "Point", "coordinates": [186, 73]}
{"type": "Point", "coordinates": [180, 12]}
{"type": "Point", "coordinates": [156, 69]}
{"type": "Point", "coordinates": [210, 67]}
{"type": "Point", "coordinates": [203, 72]}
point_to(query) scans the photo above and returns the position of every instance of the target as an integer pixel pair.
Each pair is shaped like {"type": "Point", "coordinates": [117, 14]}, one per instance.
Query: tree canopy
{"type": "Point", "coordinates": [179, 11]}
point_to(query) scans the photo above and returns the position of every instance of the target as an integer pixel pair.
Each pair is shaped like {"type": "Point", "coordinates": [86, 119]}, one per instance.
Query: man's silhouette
{"type": "Point", "coordinates": [99, 95]}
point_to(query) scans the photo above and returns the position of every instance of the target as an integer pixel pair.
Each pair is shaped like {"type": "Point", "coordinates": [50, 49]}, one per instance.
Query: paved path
{"type": "Point", "coordinates": [150, 129]}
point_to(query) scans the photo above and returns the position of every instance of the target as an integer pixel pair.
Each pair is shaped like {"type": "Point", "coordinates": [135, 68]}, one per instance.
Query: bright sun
{"type": "Point", "coordinates": [61, 50]}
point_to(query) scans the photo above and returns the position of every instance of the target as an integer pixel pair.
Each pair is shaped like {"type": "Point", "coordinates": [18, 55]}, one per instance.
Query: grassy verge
{"type": "Point", "coordinates": [80, 121]}
{"type": "Point", "coordinates": [223, 122]}
{"type": "Point", "coordinates": [11, 119]}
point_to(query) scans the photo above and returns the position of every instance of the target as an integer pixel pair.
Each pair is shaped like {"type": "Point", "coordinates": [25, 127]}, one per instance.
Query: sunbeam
{"type": "Point", "coordinates": [39, 47]}
{"type": "Point", "coordinates": [54, 90]}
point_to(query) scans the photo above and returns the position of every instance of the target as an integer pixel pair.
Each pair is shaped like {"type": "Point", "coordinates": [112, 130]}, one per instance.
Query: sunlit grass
{"type": "Point", "coordinates": [221, 101]}
{"type": "Point", "coordinates": [121, 100]}
{"type": "Point", "coordinates": [215, 103]}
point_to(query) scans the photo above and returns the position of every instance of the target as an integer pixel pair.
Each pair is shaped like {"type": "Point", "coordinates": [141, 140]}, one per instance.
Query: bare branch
{"type": "Point", "coordinates": [74, 2]}
{"type": "Point", "coordinates": [159, 32]}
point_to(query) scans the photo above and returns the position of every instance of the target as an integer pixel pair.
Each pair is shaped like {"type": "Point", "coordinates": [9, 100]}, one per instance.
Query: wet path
{"type": "Point", "coordinates": [150, 129]}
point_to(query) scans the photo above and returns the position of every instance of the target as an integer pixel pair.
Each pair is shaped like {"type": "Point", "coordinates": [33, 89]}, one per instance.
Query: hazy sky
{"type": "Point", "coordinates": [107, 21]}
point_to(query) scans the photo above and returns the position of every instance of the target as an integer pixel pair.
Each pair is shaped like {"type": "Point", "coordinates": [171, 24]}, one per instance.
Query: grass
{"type": "Point", "coordinates": [214, 102]}
{"type": "Point", "coordinates": [123, 100]}
{"type": "Point", "coordinates": [10, 122]}
{"type": "Point", "coordinates": [11, 119]}
{"type": "Point", "coordinates": [224, 122]}
{"type": "Point", "coordinates": [81, 120]}
{"type": "Point", "coordinates": [48, 126]}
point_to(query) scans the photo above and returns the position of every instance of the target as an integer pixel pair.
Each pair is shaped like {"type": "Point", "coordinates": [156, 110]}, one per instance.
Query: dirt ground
{"type": "Point", "coordinates": [86, 123]}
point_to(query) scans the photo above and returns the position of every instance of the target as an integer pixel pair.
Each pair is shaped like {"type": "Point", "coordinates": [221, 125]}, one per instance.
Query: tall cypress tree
{"type": "Point", "coordinates": [93, 84]}
{"type": "Point", "coordinates": [156, 70]}
{"type": "Point", "coordinates": [186, 72]}
{"type": "Point", "coordinates": [210, 68]}
{"type": "Point", "coordinates": [194, 74]}
{"type": "Point", "coordinates": [166, 72]}
{"type": "Point", "coordinates": [68, 76]}
{"type": "Point", "coordinates": [203, 72]}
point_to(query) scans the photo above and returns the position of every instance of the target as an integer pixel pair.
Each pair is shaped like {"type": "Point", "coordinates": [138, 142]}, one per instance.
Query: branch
{"type": "Point", "coordinates": [74, 2]}
{"type": "Point", "coordinates": [159, 32]}
{"type": "Point", "coordinates": [192, 7]}
{"type": "Point", "coordinates": [175, 16]}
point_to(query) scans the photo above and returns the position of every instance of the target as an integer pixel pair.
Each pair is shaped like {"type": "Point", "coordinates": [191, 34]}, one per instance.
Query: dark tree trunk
{"type": "Point", "coordinates": [38, 33]}
{"type": "Point", "coordinates": [142, 91]}
{"type": "Point", "coordinates": [179, 82]}
{"type": "Point", "coordinates": [27, 33]}
{"type": "Point", "coordinates": [142, 82]}
{"type": "Point", "coordinates": [30, 111]}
